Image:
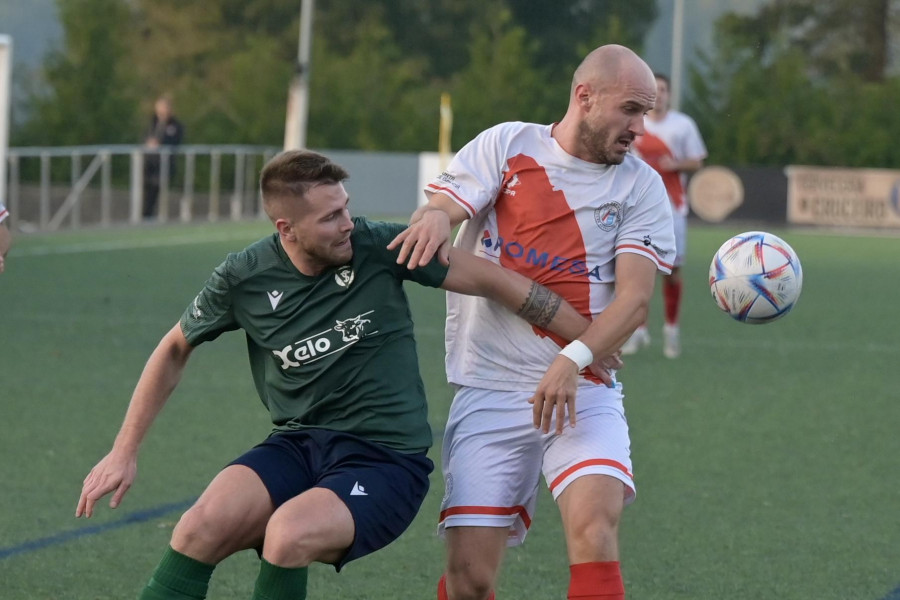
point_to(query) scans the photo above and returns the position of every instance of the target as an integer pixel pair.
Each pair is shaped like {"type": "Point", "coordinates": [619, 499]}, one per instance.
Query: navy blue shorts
{"type": "Point", "coordinates": [382, 488]}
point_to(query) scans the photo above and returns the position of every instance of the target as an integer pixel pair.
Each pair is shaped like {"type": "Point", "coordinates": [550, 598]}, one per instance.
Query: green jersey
{"type": "Point", "coordinates": [334, 351]}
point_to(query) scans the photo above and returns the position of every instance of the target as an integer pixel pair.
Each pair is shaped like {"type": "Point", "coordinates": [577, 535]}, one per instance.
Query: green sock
{"type": "Point", "coordinates": [280, 583]}
{"type": "Point", "coordinates": [178, 577]}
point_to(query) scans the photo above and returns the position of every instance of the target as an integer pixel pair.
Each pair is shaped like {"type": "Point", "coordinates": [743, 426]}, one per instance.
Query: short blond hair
{"type": "Point", "coordinates": [289, 175]}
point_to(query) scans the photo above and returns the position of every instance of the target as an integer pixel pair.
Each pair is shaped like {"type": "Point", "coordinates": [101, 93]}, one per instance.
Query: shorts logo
{"type": "Point", "coordinates": [358, 490]}
{"type": "Point", "coordinates": [344, 277]}
{"type": "Point", "coordinates": [448, 489]}
{"type": "Point", "coordinates": [607, 216]}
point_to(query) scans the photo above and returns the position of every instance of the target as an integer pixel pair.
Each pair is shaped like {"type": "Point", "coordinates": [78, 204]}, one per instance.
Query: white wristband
{"type": "Point", "coordinates": [579, 353]}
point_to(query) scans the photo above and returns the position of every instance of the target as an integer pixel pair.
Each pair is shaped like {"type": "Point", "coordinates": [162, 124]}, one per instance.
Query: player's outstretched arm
{"type": "Point", "coordinates": [475, 276]}
{"type": "Point", "coordinates": [635, 277]}
{"type": "Point", "coordinates": [429, 232]}
{"type": "Point", "coordinates": [530, 300]}
{"type": "Point", "coordinates": [117, 470]}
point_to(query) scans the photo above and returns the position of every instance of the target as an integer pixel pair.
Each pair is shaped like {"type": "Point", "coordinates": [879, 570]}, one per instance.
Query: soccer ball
{"type": "Point", "coordinates": [755, 277]}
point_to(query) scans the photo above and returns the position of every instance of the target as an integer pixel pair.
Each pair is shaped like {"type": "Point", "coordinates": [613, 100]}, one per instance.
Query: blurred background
{"type": "Point", "coordinates": [764, 453]}
{"type": "Point", "coordinates": [771, 83]}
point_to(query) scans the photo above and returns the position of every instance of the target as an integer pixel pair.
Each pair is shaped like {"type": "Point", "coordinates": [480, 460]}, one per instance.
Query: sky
{"type": "Point", "coordinates": [34, 27]}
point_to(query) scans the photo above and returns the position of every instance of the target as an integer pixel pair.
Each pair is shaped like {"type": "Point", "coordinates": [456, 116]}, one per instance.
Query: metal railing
{"type": "Point", "coordinates": [53, 188]}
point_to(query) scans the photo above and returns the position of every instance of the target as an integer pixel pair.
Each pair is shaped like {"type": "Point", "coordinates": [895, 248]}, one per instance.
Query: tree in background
{"type": "Point", "coordinates": [799, 82]}
{"type": "Point", "coordinates": [566, 31]}
{"type": "Point", "coordinates": [378, 67]}
{"type": "Point", "coordinates": [501, 82]}
{"type": "Point", "coordinates": [225, 62]}
{"type": "Point", "coordinates": [522, 55]}
{"type": "Point", "coordinates": [368, 94]}
{"type": "Point", "coordinates": [87, 95]}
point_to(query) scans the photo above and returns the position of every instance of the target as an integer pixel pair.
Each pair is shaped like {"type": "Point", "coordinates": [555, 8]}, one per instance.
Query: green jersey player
{"type": "Point", "coordinates": [333, 358]}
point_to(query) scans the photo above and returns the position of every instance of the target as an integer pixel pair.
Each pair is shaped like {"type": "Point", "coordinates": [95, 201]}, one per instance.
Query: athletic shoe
{"type": "Point", "coordinates": [671, 341]}
{"type": "Point", "coordinates": [639, 339]}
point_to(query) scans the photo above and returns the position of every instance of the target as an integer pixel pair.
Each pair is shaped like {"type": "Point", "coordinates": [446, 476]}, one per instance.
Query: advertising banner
{"type": "Point", "coordinates": [843, 197]}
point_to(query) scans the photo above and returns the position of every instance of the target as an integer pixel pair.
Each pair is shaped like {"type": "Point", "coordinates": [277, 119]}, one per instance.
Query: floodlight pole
{"type": "Point", "coordinates": [677, 54]}
{"type": "Point", "coordinates": [298, 97]}
{"type": "Point", "coordinates": [6, 48]}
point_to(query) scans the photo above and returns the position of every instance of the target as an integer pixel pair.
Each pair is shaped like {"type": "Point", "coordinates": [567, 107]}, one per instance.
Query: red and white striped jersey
{"type": "Point", "coordinates": [554, 218]}
{"type": "Point", "coordinates": [676, 135]}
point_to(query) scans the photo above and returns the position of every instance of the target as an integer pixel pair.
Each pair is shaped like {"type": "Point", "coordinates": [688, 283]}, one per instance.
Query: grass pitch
{"type": "Point", "coordinates": [766, 457]}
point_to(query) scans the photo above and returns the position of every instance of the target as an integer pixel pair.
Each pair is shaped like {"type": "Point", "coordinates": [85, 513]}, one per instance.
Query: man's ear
{"type": "Point", "coordinates": [583, 95]}
{"type": "Point", "coordinates": [286, 229]}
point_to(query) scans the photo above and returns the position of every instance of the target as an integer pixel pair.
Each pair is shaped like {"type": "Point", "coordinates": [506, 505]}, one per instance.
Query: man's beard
{"type": "Point", "coordinates": [332, 257]}
{"type": "Point", "coordinates": [594, 141]}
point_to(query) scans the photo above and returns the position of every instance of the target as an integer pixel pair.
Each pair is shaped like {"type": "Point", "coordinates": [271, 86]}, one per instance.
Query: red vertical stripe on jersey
{"type": "Point", "coordinates": [541, 238]}
{"type": "Point", "coordinates": [651, 149]}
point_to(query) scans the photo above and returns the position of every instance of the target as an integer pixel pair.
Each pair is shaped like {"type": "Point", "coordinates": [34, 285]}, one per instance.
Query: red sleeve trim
{"type": "Point", "coordinates": [444, 190]}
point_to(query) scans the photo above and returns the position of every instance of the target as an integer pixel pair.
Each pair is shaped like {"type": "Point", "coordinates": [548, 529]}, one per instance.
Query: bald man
{"type": "Point", "coordinates": [567, 205]}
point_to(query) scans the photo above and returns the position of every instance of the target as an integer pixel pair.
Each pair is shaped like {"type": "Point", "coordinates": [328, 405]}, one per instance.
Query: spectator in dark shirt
{"type": "Point", "coordinates": [164, 130]}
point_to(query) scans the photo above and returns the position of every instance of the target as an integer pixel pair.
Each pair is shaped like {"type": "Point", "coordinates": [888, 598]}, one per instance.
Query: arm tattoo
{"type": "Point", "coordinates": [540, 307]}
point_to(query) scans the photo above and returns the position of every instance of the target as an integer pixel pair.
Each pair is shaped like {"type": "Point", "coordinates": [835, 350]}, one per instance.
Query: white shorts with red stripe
{"type": "Point", "coordinates": [492, 456]}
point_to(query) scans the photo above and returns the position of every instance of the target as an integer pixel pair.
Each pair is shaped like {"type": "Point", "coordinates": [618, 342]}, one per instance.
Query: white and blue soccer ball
{"type": "Point", "coordinates": [755, 277]}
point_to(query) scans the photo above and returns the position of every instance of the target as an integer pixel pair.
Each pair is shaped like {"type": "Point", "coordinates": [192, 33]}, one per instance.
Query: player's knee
{"type": "Point", "coordinates": [199, 532]}
{"type": "Point", "coordinates": [595, 539]}
{"type": "Point", "coordinates": [289, 543]}
{"type": "Point", "coordinates": [469, 582]}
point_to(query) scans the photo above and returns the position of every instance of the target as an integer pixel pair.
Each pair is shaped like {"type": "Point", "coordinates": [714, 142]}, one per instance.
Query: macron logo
{"type": "Point", "coordinates": [274, 298]}
{"type": "Point", "coordinates": [358, 490]}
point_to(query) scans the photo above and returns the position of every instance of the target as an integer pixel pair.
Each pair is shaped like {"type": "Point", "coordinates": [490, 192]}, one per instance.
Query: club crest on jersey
{"type": "Point", "coordinates": [607, 216]}
{"type": "Point", "coordinates": [344, 277]}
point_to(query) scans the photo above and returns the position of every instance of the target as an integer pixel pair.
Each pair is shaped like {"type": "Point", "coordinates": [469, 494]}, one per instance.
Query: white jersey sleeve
{"type": "Point", "coordinates": [473, 178]}
{"type": "Point", "coordinates": [3, 213]}
{"type": "Point", "coordinates": [557, 220]}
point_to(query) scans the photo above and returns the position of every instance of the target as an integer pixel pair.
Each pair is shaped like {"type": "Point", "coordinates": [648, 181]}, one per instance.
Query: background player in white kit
{"type": "Point", "coordinates": [567, 205]}
{"type": "Point", "coordinates": [672, 145]}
